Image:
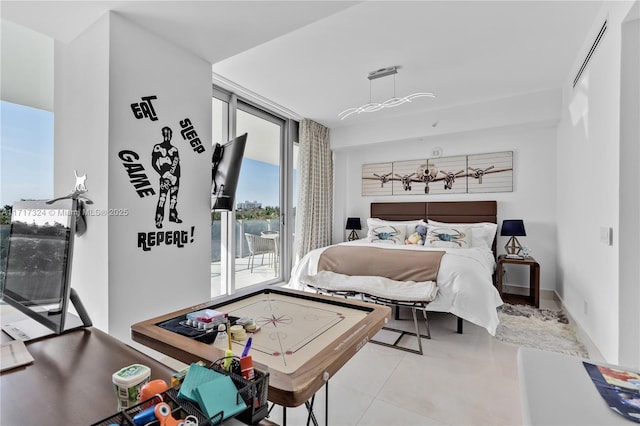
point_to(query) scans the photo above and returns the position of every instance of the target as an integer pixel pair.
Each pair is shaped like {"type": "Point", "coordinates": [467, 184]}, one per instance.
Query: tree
{"type": "Point", "coordinates": [5, 215]}
{"type": "Point", "coordinates": [267, 212]}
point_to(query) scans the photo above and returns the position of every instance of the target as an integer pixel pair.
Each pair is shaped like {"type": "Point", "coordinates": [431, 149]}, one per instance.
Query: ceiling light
{"type": "Point", "coordinates": [389, 103]}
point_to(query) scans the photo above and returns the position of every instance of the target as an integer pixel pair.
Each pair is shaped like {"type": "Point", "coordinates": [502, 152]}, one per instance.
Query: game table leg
{"type": "Point", "coordinates": [309, 404]}
{"type": "Point", "coordinates": [311, 417]}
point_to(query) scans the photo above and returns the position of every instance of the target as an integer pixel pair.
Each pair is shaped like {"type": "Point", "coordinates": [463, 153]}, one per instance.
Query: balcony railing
{"type": "Point", "coordinates": [252, 226]}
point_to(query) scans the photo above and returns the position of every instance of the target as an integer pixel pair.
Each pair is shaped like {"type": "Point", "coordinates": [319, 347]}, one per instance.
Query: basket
{"type": "Point", "coordinates": [180, 409]}
{"type": "Point", "coordinates": [253, 392]}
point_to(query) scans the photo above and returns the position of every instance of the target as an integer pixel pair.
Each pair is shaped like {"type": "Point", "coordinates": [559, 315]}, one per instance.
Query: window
{"type": "Point", "coordinates": [27, 160]}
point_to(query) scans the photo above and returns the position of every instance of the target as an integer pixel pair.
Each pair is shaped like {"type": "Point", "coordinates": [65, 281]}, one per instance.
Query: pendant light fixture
{"type": "Point", "coordinates": [389, 103]}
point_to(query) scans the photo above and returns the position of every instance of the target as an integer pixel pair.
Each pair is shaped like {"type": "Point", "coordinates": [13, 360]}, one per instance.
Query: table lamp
{"type": "Point", "coordinates": [353, 223]}
{"type": "Point", "coordinates": [513, 228]}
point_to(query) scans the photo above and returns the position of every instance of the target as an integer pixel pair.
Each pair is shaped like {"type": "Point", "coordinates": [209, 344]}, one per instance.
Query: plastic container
{"type": "Point", "coordinates": [127, 383]}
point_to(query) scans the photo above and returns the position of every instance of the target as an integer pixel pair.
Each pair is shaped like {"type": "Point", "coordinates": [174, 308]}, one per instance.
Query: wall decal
{"type": "Point", "coordinates": [166, 161]}
{"type": "Point", "coordinates": [147, 240]}
{"type": "Point", "coordinates": [444, 175]}
{"type": "Point", "coordinates": [145, 108]}
{"type": "Point", "coordinates": [135, 171]}
{"type": "Point", "coordinates": [189, 134]}
{"type": "Point", "coordinates": [164, 158]}
{"type": "Point", "coordinates": [376, 179]}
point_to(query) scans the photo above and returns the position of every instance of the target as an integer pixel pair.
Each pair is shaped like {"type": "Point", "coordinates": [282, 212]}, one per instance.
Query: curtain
{"type": "Point", "coordinates": [314, 213]}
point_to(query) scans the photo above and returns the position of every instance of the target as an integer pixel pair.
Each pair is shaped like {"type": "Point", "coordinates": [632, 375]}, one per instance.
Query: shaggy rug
{"type": "Point", "coordinates": [539, 328]}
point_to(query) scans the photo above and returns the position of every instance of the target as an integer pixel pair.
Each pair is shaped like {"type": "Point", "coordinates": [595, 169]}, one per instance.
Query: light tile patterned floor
{"type": "Point", "coordinates": [461, 379]}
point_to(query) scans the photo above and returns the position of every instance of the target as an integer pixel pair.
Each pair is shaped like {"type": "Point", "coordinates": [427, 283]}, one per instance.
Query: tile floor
{"type": "Point", "coordinates": [467, 379]}
{"type": "Point", "coordinates": [461, 379]}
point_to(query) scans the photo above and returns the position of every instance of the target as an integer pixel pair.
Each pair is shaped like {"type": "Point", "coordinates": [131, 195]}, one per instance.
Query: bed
{"type": "Point", "coordinates": [464, 276]}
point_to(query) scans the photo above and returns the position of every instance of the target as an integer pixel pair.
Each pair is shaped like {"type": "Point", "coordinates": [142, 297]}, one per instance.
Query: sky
{"type": "Point", "coordinates": [26, 153]}
{"type": "Point", "coordinates": [259, 182]}
{"type": "Point", "coordinates": [26, 160]}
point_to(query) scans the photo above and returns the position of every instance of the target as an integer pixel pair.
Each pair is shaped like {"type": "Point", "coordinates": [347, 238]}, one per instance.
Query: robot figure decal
{"type": "Point", "coordinates": [166, 162]}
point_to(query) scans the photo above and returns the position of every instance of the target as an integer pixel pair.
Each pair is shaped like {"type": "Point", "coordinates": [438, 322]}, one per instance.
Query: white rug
{"type": "Point", "coordinates": [539, 328]}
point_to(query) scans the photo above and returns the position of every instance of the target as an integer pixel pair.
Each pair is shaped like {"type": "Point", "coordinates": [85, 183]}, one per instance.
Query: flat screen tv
{"type": "Point", "coordinates": [37, 274]}
{"type": "Point", "coordinates": [225, 171]}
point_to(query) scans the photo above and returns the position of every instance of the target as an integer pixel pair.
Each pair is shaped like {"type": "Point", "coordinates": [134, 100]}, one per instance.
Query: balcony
{"type": "Point", "coordinates": [263, 270]}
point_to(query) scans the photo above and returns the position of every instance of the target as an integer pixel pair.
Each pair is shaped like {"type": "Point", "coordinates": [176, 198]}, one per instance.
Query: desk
{"type": "Point", "coordinates": [534, 280]}
{"type": "Point", "coordinates": [557, 390]}
{"type": "Point", "coordinates": [304, 340]}
{"type": "Point", "coordinates": [69, 382]}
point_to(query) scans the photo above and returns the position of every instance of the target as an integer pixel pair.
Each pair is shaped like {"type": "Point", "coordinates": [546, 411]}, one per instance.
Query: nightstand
{"type": "Point", "coordinates": [534, 281]}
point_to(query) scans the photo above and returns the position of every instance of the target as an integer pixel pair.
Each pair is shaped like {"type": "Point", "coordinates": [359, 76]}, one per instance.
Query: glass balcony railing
{"type": "Point", "coordinates": [251, 226]}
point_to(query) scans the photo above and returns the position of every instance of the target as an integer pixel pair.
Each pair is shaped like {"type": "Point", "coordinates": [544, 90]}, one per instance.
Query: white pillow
{"type": "Point", "coordinates": [449, 236]}
{"type": "Point", "coordinates": [408, 225]}
{"type": "Point", "coordinates": [482, 233]}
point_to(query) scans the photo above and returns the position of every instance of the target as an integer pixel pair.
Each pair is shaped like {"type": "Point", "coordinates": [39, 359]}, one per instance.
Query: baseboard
{"type": "Point", "coordinates": [524, 291]}
{"type": "Point", "coordinates": [545, 294]}
{"type": "Point", "coordinates": [594, 353]}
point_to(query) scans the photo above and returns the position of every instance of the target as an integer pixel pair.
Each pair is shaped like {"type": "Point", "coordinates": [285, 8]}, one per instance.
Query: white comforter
{"type": "Point", "coordinates": [465, 286]}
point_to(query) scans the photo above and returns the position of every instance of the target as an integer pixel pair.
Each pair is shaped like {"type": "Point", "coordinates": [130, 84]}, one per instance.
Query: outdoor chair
{"type": "Point", "coordinates": [259, 245]}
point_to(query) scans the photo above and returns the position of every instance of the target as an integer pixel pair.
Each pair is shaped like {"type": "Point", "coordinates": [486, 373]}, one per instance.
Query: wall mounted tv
{"type": "Point", "coordinates": [225, 171]}
{"type": "Point", "coordinates": [37, 275]}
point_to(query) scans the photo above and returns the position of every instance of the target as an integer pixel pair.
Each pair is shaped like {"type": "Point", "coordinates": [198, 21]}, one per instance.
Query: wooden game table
{"type": "Point", "coordinates": [304, 338]}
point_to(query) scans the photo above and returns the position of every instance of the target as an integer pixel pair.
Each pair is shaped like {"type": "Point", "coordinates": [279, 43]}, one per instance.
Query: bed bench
{"type": "Point", "coordinates": [396, 294]}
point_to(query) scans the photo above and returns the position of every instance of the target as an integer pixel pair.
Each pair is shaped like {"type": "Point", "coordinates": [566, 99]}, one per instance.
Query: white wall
{"type": "Point", "coordinates": [109, 67]}
{"type": "Point", "coordinates": [533, 146]}
{"type": "Point", "coordinates": [629, 178]}
{"type": "Point", "coordinates": [81, 143]}
{"type": "Point", "coordinates": [589, 195]}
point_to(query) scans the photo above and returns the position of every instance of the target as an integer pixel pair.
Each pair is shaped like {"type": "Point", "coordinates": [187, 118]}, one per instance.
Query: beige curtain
{"type": "Point", "coordinates": [314, 213]}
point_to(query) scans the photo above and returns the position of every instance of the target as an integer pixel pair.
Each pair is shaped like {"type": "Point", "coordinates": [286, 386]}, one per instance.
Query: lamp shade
{"type": "Point", "coordinates": [353, 223]}
{"type": "Point", "coordinates": [513, 228]}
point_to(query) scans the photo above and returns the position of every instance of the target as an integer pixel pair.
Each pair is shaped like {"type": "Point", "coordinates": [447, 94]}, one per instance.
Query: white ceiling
{"type": "Point", "coordinates": [313, 57]}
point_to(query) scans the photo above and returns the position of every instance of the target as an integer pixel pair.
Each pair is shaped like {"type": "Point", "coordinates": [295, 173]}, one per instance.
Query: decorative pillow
{"type": "Point", "coordinates": [407, 225]}
{"type": "Point", "coordinates": [446, 236]}
{"type": "Point", "coordinates": [387, 234]}
{"type": "Point", "coordinates": [482, 233]}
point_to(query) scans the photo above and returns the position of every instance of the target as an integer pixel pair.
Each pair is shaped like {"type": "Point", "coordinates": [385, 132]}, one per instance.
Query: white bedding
{"type": "Point", "coordinates": [465, 286]}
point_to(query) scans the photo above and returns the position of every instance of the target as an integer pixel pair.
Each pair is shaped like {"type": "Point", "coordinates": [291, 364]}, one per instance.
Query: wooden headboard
{"type": "Point", "coordinates": [442, 211]}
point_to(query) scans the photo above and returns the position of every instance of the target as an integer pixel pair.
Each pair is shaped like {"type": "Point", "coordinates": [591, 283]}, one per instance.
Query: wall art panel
{"type": "Point", "coordinates": [449, 175]}
{"type": "Point", "coordinates": [405, 178]}
{"type": "Point", "coordinates": [461, 174]}
{"type": "Point", "coordinates": [376, 179]}
{"type": "Point", "coordinates": [490, 172]}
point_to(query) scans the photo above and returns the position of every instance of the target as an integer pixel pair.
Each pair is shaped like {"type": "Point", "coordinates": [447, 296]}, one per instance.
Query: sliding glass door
{"type": "Point", "coordinates": [251, 244]}
{"type": "Point", "coordinates": [258, 198]}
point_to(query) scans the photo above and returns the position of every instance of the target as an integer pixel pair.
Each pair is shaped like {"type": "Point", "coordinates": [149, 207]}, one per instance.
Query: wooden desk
{"type": "Point", "coordinates": [69, 382]}
{"type": "Point", "coordinates": [534, 281]}
{"type": "Point", "coordinates": [305, 338]}
{"type": "Point", "coordinates": [557, 390]}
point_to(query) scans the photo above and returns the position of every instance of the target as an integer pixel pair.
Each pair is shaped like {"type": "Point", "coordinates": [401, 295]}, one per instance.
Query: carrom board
{"type": "Point", "coordinates": [302, 336]}
{"type": "Point", "coordinates": [291, 329]}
